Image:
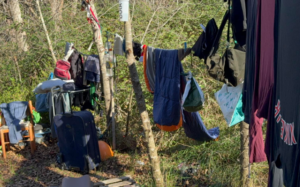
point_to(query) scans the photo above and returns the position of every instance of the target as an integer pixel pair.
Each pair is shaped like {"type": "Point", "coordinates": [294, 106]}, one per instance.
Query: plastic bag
{"type": "Point", "coordinates": [36, 117]}
{"type": "Point", "coordinates": [193, 97]}
{"type": "Point", "coordinates": [230, 101]}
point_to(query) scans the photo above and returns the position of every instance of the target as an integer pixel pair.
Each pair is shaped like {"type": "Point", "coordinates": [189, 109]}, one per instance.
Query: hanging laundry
{"type": "Point", "coordinates": [256, 147]}
{"type": "Point", "coordinates": [193, 97]}
{"type": "Point", "coordinates": [264, 81]}
{"type": "Point", "coordinates": [141, 59]}
{"type": "Point", "coordinates": [92, 68]}
{"type": "Point", "coordinates": [118, 48]}
{"type": "Point", "coordinates": [238, 18]}
{"type": "Point", "coordinates": [192, 124]}
{"type": "Point", "coordinates": [77, 68]}
{"type": "Point", "coordinates": [150, 71]}
{"type": "Point", "coordinates": [195, 129]}
{"type": "Point", "coordinates": [284, 143]}
{"type": "Point", "coordinates": [250, 59]}
{"type": "Point", "coordinates": [166, 107]}
{"type": "Point", "coordinates": [61, 102]}
{"type": "Point", "coordinates": [229, 99]}
{"type": "Point", "coordinates": [182, 53]}
{"type": "Point", "coordinates": [204, 44]}
{"type": "Point", "coordinates": [137, 50]}
{"type": "Point", "coordinates": [13, 113]}
{"type": "Point", "coordinates": [145, 69]}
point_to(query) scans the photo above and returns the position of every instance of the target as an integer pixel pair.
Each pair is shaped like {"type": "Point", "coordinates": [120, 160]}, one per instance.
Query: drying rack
{"type": "Point", "coordinates": [59, 90]}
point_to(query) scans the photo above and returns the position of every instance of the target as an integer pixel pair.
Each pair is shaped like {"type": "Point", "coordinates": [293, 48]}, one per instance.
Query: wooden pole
{"type": "Point", "coordinates": [113, 123]}
{"type": "Point", "coordinates": [129, 112]}
{"type": "Point", "coordinates": [245, 180]}
{"type": "Point", "coordinates": [152, 151]}
{"type": "Point", "coordinates": [101, 51]}
{"type": "Point", "coordinates": [46, 32]}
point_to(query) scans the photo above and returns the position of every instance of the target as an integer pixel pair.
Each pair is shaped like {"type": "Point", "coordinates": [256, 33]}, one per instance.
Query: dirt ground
{"type": "Point", "coordinates": [21, 169]}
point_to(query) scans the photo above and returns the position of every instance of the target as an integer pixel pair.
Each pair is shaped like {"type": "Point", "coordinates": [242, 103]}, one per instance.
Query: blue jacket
{"type": "Point", "coordinates": [13, 113]}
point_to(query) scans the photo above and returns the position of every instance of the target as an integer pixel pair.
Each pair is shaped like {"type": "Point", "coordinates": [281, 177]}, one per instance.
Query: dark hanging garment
{"type": "Point", "coordinates": [250, 59]}
{"type": "Point", "coordinates": [238, 18]}
{"type": "Point", "coordinates": [264, 76]}
{"type": "Point", "coordinates": [198, 46]}
{"type": "Point", "coordinates": [285, 126]}
{"type": "Point", "coordinates": [256, 141]}
{"type": "Point", "coordinates": [265, 62]}
{"type": "Point", "coordinates": [183, 53]}
{"type": "Point", "coordinates": [77, 68]}
{"type": "Point", "coordinates": [137, 50]}
{"type": "Point", "coordinates": [205, 41]}
{"type": "Point", "coordinates": [92, 68]}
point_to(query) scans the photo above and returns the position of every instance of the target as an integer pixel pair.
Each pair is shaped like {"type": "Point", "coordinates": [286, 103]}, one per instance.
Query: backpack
{"type": "Point", "coordinates": [230, 67]}
{"type": "Point", "coordinates": [61, 70]}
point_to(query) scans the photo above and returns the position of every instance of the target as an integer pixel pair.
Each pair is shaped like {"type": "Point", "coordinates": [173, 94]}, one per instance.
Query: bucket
{"type": "Point", "coordinates": [124, 9]}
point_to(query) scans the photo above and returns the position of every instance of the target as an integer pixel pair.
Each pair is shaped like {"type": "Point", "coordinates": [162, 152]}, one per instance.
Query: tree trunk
{"type": "Point", "coordinates": [15, 12]}
{"type": "Point", "coordinates": [74, 7]}
{"type": "Point", "coordinates": [100, 47]}
{"type": "Point", "coordinates": [18, 69]}
{"type": "Point", "coordinates": [129, 112]}
{"type": "Point", "coordinates": [154, 159]}
{"type": "Point", "coordinates": [112, 115]}
{"type": "Point", "coordinates": [245, 180]}
{"type": "Point", "coordinates": [46, 32]}
{"type": "Point", "coordinates": [56, 10]}
{"type": "Point", "coordinates": [60, 10]}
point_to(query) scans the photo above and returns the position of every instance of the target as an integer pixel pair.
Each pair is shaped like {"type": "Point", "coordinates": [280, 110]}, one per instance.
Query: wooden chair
{"type": "Point", "coordinates": [28, 126]}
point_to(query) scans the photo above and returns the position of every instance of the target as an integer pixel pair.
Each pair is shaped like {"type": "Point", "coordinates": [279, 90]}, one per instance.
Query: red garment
{"type": "Point", "coordinates": [257, 153]}
{"type": "Point", "coordinates": [264, 78]}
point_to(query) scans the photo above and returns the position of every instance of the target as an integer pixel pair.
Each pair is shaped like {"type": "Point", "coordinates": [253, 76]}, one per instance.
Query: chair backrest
{"type": "Point", "coordinates": [29, 109]}
{"type": "Point", "coordinates": [2, 121]}
{"type": "Point", "coordinates": [29, 112]}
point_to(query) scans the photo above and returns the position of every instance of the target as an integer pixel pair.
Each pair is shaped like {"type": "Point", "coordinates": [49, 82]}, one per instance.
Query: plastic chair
{"type": "Point", "coordinates": [24, 126]}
